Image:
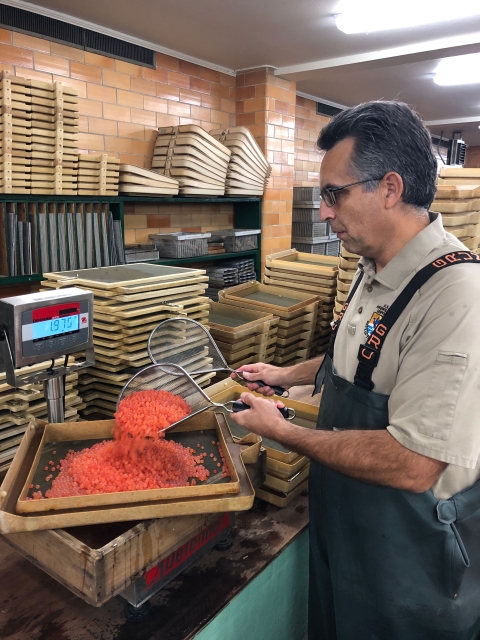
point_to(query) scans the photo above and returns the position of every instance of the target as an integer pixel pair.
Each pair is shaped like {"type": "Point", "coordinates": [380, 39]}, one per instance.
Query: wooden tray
{"type": "Point", "coordinates": [164, 149]}
{"type": "Point", "coordinates": [456, 206]}
{"type": "Point", "coordinates": [457, 192]}
{"type": "Point", "coordinates": [286, 485]}
{"type": "Point", "coordinates": [270, 298]}
{"type": "Point", "coordinates": [122, 275]}
{"type": "Point", "coordinates": [306, 416]}
{"type": "Point", "coordinates": [280, 499]}
{"type": "Point", "coordinates": [458, 219]}
{"type": "Point", "coordinates": [19, 470]}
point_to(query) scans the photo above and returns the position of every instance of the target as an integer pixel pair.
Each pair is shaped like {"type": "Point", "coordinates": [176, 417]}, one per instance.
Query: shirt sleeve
{"type": "Point", "coordinates": [434, 406]}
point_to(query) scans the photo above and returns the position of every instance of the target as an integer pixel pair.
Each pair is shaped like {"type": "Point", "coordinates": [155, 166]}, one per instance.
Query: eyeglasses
{"type": "Point", "coordinates": [328, 194]}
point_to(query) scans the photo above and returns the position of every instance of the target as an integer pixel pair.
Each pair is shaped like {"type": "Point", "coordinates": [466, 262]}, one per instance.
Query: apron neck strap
{"type": "Point", "coordinates": [338, 321]}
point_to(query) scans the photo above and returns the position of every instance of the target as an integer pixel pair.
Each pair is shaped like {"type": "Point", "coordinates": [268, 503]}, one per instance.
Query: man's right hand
{"type": "Point", "coordinates": [267, 373]}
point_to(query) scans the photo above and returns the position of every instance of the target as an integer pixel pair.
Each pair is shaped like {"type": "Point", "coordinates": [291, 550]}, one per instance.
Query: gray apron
{"type": "Point", "coordinates": [387, 564]}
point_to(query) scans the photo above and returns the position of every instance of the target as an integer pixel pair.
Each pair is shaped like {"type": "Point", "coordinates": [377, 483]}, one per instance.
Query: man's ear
{"type": "Point", "coordinates": [392, 189]}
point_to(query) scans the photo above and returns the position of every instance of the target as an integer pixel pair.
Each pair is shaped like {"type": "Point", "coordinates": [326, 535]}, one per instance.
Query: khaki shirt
{"type": "Point", "coordinates": [430, 362]}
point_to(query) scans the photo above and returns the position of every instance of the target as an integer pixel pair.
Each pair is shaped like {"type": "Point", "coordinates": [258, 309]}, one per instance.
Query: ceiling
{"type": "Point", "coordinates": [301, 40]}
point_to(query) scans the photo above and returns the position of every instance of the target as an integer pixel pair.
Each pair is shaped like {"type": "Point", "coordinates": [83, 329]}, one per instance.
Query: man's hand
{"type": "Point", "coordinates": [269, 374]}
{"type": "Point", "coordinates": [263, 417]}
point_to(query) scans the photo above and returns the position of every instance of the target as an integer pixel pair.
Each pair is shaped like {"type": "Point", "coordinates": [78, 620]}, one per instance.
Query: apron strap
{"type": "Point", "coordinates": [320, 376]}
{"type": "Point", "coordinates": [369, 353]}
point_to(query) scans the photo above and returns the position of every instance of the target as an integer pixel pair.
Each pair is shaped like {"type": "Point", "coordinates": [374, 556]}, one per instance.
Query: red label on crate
{"type": "Point", "coordinates": [56, 311]}
{"type": "Point", "coordinates": [175, 559]}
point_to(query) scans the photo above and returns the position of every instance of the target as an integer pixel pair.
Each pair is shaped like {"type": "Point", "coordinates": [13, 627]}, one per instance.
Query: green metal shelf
{"type": "Point", "coordinates": [246, 215]}
{"type": "Point", "coordinates": [6, 280]}
{"type": "Point", "coordinates": [216, 256]}
{"type": "Point", "coordinates": [188, 200]}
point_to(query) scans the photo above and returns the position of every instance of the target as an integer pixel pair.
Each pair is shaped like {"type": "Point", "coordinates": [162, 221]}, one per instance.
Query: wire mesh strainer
{"type": "Point", "coordinates": [172, 378]}
{"type": "Point", "coordinates": [188, 343]}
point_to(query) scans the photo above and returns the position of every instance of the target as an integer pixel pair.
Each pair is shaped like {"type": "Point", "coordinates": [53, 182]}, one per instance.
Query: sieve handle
{"type": "Point", "coordinates": [279, 391]}
{"type": "Point", "coordinates": [238, 405]}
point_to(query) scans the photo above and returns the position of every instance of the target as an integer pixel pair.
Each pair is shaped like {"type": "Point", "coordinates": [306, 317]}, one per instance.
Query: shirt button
{"type": "Point", "coordinates": [370, 289]}
{"type": "Point", "coordinates": [360, 309]}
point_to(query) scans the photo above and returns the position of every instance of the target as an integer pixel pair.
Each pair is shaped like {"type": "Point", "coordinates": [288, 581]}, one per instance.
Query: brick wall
{"type": "Point", "coordinates": [141, 220]}
{"type": "Point", "coordinates": [307, 158]}
{"type": "Point", "coordinates": [266, 105]}
{"type": "Point", "coordinates": [122, 104]}
{"type": "Point", "coordinates": [473, 157]}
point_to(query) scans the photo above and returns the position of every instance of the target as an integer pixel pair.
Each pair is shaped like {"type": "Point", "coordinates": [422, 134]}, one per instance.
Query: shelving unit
{"type": "Point", "coordinates": [246, 215]}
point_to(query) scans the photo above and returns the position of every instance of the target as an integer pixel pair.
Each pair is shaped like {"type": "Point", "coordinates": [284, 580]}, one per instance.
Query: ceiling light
{"type": "Point", "coordinates": [458, 70]}
{"type": "Point", "coordinates": [366, 16]}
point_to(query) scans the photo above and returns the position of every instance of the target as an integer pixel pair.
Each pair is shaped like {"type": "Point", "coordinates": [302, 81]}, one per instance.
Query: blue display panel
{"type": "Point", "coordinates": [56, 327]}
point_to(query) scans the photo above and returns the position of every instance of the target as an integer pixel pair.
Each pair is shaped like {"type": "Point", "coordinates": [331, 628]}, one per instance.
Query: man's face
{"type": "Point", "coordinates": [358, 217]}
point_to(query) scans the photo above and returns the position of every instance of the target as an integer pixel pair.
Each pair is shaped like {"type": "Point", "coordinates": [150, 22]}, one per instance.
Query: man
{"type": "Point", "coordinates": [394, 497]}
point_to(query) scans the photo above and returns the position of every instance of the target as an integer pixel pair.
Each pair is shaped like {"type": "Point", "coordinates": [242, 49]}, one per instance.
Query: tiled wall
{"type": "Point", "coordinates": [266, 105]}
{"type": "Point", "coordinates": [307, 158]}
{"type": "Point", "coordinates": [473, 157]}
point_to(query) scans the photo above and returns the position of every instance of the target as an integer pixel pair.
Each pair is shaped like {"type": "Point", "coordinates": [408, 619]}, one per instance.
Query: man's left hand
{"type": "Point", "coordinates": [263, 417]}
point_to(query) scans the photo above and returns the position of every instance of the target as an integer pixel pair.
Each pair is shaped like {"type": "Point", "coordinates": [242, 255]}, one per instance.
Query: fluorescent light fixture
{"type": "Point", "coordinates": [458, 70]}
{"type": "Point", "coordinates": [367, 16]}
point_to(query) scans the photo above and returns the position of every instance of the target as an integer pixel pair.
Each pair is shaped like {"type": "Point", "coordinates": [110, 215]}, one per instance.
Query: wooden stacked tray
{"type": "Point", "coordinates": [297, 312]}
{"type": "Point", "coordinates": [129, 302]}
{"type": "Point", "coordinates": [193, 157]}
{"type": "Point", "coordinates": [287, 472]}
{"type": "Point", "coordinates": [242, 335]}
{"type": "Point", "coordinates": [316, 275]}
{"type": "Point", "coordinates": [135, 180]}
{"type": "Point", "coordinates": [346, 273]}
{"type": "Point", "coordinates": [98, 175]}
{"type": "Point", "coordinates": [458, 176]}
{"type": "Point", "coordinates": [460, 209]}
{"type": "Point", "coordinates": [15, 131]}
{"type": "Point", "coordinates": [18, 406]}
{"type": "Point", "coordinates": [54, 138]}
{"type": "Point", "coordinates": [248, 169]}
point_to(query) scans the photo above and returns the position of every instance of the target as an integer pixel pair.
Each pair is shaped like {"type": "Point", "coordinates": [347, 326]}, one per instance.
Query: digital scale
{"type": "Point", "coordinates": [45, 326]}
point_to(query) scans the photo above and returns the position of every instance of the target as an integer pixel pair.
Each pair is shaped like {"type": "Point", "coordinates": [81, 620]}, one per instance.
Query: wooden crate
{"type": "Point", "coordinates": [97, 563]}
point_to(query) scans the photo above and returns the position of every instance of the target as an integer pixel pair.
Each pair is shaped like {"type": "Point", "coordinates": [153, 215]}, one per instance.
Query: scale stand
{"type": "Point", "coordinates": [46, 326]}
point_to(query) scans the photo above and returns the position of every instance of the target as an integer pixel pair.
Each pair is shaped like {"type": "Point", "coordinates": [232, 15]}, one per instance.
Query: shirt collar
{"type": "Point", "coordinates": [409, 258]}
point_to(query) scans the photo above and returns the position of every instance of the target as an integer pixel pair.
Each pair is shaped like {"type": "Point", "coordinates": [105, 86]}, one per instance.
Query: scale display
{"type": "Point", "coordinates": [52, 328]}
{"type": "Point", "coordinates": [57, 320]}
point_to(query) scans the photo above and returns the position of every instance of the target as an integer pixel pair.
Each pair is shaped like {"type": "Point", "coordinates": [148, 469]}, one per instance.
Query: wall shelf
{"type": "Point", "coordinates": [246, 215]}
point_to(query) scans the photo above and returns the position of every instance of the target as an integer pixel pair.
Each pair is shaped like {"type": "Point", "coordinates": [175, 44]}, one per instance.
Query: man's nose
{"type": "Point", "coordinates": [326, 213]}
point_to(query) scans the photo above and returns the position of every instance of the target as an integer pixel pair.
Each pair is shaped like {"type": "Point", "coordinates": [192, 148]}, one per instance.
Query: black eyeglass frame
{"type": "Point", "coordinates": [331, 191]}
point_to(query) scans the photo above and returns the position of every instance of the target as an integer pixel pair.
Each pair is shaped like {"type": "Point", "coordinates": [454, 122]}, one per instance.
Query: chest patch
{"type": "Point", "coordinates": [377, 315]}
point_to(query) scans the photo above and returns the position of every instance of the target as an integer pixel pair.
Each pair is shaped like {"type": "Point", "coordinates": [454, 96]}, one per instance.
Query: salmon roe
{"type": "Point", "coordinates": [138, 458]}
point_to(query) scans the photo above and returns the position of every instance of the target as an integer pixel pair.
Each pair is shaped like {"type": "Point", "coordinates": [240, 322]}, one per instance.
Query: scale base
{"type": "Point", "coordinates": [137, 614]}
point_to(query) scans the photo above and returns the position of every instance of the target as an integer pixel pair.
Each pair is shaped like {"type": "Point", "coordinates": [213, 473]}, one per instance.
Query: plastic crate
{"type": "Point", "coordinates": [306, 214]}
{"type": "Point", "coordinates": [325, 248]}
{"type": "Point", "coordinates": [311, 229]}
{"type": "Point", "coordinates": [306, 194]}
{"type": "Point", "coordinates": [181, 245]}
{"type": "Point", "coordinates": [140, 253]}
{"type": "Point", "coordinates": [238, 239]}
